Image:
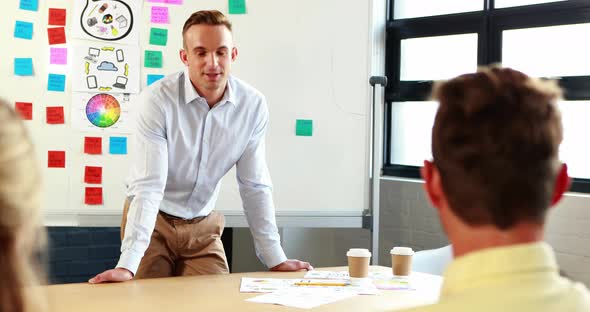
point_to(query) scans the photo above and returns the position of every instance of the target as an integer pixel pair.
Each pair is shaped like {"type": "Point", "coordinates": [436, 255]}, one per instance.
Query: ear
{"type": "Point", "coordinates": [562, 184]}
{"type": "Point", "coordinates": [234, 53]}
{"type": "Point", "coordinates": [183, 56]}
{"type": "Point", "coordinates": [432, 183]}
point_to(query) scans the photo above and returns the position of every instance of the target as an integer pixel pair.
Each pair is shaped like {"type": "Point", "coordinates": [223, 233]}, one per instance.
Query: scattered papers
{"type": "Point", "coordinates": [304, 297]}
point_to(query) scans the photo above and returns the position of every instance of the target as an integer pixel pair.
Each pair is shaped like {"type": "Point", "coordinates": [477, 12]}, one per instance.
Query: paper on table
{"type": "Point", "coordinates": [327, 274]}
{"type": "Point", "coordinates": [305, 297]}
{"type": "Point", "coordinates": [264, 285]}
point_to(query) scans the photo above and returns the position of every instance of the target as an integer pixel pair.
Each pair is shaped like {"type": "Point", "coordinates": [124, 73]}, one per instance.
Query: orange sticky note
{"type": "Point", "coordinates": [57, 17]}
{"type": "Point", "coordinates": [93, 145]}
{"type": "Point", "coordinates": [24, 109]}
{"type": "Point", "coordinates": [93, 196]}
{"type": "Point", "coordinates": [56, 159]}
{"type": "Point", "coordinates": [55, 115]}
{"type": "Point", "coordinates": [56, 35]}
{"type": "Point", "coordinates": [93, 175]}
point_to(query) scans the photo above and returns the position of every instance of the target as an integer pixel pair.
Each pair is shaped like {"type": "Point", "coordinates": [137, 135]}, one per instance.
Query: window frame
{"type": "Point", "coordinates": [489, 24]}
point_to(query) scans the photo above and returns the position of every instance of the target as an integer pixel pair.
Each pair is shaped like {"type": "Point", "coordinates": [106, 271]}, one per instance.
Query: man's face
{"type": "Point", "coordinates": [208, 52]}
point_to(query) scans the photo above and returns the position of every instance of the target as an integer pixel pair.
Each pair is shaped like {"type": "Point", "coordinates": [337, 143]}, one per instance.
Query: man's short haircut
{"type": "Point", "coordinates": [206, 17]}
{"type": "Point", "coordinates": [495, 142]}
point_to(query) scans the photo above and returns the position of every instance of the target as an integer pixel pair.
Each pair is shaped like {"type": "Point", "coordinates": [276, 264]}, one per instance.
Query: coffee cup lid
{"type": "Point", "coordinates": [358, 252]}
{"type": "Point", "coordinates": [402, 251]}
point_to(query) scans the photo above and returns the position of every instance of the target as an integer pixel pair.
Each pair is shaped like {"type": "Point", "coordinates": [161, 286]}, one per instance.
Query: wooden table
{"type": "Point", "coordinates": [221, 293]}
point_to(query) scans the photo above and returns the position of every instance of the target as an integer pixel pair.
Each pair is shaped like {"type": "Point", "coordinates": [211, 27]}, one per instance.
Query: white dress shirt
{"type": "Point", "coordinates": [182, 149]}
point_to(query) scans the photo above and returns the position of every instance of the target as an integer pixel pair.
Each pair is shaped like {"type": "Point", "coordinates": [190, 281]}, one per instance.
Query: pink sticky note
{"type": "Point", "coordinates": [160, 15]}
{"type": "Point", "coordinates": [174, 1]}
{"type": "Point", "coordinates": [58, 56]}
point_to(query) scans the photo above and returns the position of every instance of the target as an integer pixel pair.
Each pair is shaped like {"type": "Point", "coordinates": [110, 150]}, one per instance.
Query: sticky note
{"type": "Point", "coordinates": [237, 6]}
{"type": "Point", "coordinates": [92, 175]}
{"type": "Point", "coordinates": [24, 109]}
{"type": "Point", "coordinates": [23, 66]}
{"type": "Point", "coordinates": [56, 35]}
{"type": "Point", "coordinates": [56, 82]}
{"type": "Point", "coordinates": [58, 56]}
{"type": "Point", "coordinates": [93, 196]}
{"type": "Point", "coordinates": [153, 59]}
{"type": "Point", "coordinates": [166, 1]}
{"type": "Point", "coordinates": [54, 115]}
{"type": "Point", "coordinates": [158, 36]}
{"type": "Point", "coordinates": [118, 145]}
{"type": "Point", "coordinates": [29, 5]}
{"type": "Point", "coordinates": [160, 15]}
{"type": "Point", "coordinates": [93, 145]}
{"type": "Point", "coordinates": [56, 159]}
{"type": "Point", "coordinates": [23, 30]}
{"type": "Point", "coordinates": [304, 127]}
{"type": "Point", "coordinates": [151, 78]}
{"type": "Point", "coordinates": [57, 17]}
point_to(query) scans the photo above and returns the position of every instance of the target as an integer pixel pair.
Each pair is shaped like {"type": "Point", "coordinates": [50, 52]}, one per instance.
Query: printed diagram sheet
{"type": "Point", "coordinates": [106, 68]}
{"type": "Point", "coordinates": [108, 20]}
{"type": "Point", "coordinates": [102, 112]}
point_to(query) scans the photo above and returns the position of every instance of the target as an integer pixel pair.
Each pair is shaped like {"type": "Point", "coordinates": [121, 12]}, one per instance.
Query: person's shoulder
{"type": "Point", "coordinates": [163, 91]}
{"type": "Point", "coordinates": [166, 84]}
{"type": "Point", "coordinates": [244, 90]}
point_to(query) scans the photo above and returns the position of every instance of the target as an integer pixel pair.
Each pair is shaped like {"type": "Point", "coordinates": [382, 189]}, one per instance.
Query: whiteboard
{"type": "Point", "coordinates": [311, 59]}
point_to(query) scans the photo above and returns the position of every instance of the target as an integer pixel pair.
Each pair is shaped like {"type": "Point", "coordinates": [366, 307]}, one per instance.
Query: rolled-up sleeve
{"type": "Point", "coordinates": [256, 192]}
{"type": "Point", "coordinates": [147, 179]}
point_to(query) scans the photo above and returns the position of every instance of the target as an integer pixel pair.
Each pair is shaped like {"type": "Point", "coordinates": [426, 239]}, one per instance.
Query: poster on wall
{"type": "Point", "coordinates": [107, 20]}
{"type": "Point", "coordinates": [107, 68]}
{"type": "Point", "coordinates": [102, 112]}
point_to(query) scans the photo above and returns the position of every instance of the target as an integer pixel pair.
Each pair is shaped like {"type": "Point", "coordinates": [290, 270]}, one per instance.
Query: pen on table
{"type": "Point", "coordinates": [320, 284]}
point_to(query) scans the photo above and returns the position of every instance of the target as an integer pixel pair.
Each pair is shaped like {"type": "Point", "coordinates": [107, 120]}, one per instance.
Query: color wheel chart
{"type": "Point", "coordinates": [103, 110]}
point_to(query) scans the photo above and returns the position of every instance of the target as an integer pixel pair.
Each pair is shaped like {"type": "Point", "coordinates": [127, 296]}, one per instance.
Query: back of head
{"type": "Point", "coordinates": [20, 219]}
{"type": "Point", "coordinates": [495, 142]}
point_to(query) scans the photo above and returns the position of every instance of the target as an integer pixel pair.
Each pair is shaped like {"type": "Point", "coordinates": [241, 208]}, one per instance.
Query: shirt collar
{"type": "Point", "coordinates": [191, 94]}
{"type": "Point", "coordinates": [491, 263]}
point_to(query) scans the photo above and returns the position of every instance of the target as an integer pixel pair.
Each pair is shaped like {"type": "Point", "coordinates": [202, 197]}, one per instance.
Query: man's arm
{"type": "Point", "coordinates": [149, 168]}
{"type": "Point", "coordinates": [256, 192]}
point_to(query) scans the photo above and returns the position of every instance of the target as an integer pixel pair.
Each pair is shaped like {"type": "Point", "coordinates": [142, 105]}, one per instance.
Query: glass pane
{"type": "Point", "coordinates": [511, 3]}
{"type": "Point", "coordinates": [420, 8]}
{"type": "Point", "coordinates": [575, 150]}
{"type": "Point", "coordinates": [411, 132]}
{"type": "Point", "coordinates": [548, 51]}
{"type": "Point", "coordinates": [440, 57]}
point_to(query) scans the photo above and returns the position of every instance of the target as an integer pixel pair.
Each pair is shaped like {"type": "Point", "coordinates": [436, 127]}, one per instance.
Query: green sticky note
{"type": "Point", "coordinates": [304, 127]}
{"type": "Point", "coordinates": [159, 36]}
{"type": "Point", "coordinates": [152, 59]}
{"type": "Point", "coordinates": [237, 6]}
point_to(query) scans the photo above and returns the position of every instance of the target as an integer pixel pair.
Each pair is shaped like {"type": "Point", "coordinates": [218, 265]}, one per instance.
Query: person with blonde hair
{"type": "Point", "coordinates": [22, 236]}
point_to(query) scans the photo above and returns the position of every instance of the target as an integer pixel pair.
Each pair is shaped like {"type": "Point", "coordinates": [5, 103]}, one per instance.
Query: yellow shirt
{"type": "Point", "coordinates": [516, 278]}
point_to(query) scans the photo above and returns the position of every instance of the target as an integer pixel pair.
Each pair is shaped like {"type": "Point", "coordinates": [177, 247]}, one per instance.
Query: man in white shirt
{"type": "Point", "coordinates": [192, 128]}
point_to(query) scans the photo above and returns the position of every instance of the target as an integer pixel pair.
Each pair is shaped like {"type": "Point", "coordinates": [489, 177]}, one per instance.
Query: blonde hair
{"type": "Point", "coordinates": [22, 236]}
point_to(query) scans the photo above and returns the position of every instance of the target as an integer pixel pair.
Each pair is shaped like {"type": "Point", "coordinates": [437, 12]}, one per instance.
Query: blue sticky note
{"type": "Point", "coordinates": [153, 78]}
{"type": "Point", "coordinates": [23, 66]}
{"type": "Point", "coordinates": [23, 30]}
{"type": "Point", "coordinates": [30, 5]}
{"type": "Point", "coordinates": [56, 82]}
{"type": "Point", "coordinates": [118, 145]}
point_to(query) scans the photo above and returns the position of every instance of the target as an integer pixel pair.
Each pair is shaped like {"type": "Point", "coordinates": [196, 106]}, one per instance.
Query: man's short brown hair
{"type": "Point", "coordinates": [206, 17]}
{"type": "Point", "coordinates": [495, 143]}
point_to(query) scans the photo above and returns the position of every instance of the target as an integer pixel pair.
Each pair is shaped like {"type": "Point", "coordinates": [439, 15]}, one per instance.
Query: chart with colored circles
{"type": "Point", "coordinates": [103, 110]}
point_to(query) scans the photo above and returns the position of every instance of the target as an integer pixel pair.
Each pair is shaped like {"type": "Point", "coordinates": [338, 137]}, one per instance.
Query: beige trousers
{"type": "Point", "coordinates": [181, 247]}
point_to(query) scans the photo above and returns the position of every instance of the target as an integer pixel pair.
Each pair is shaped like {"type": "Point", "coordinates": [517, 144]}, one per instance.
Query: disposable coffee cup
{"type": "Point", "coordinates": [401, 260]}
{"type": "Point", "coordinates": [358, 262]}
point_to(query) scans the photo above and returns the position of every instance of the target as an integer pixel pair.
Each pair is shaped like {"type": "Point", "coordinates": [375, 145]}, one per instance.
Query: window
{"type": "Point", "coordinates": [427, 41]}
